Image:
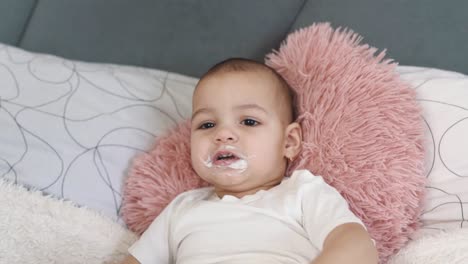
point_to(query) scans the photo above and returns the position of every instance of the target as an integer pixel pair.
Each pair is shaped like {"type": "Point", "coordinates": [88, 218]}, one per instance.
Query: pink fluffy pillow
{"type": "Point", "coordinates": [362, 129]}
{"type": "Point", "coordinates": [157, 177]}
{"type": "Point", "coordinates": [362, 132]}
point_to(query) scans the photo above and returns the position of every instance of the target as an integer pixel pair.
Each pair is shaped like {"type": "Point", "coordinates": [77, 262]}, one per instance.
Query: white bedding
{"type": "Point", "coordinates": [443, 96]}
{"type": "Point", "coordinates": [41, 229]}
{"type": "Point", "coordinates": [441, 247]}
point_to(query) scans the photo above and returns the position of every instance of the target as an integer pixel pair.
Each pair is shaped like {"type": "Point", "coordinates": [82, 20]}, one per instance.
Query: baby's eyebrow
{"type": "Point", "coordinates": [201, 110]}
{"type": "Point", "coordinates": [251, 106]}
{"type": "Point", "coordinates": [237, 107]}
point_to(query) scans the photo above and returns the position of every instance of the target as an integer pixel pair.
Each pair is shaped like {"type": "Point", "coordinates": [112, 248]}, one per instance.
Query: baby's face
{"type": "Point", "coordinates": [238, 131]}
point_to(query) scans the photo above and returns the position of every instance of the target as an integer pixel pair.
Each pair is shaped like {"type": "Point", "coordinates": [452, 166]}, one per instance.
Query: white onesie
{"type": "Point", "coordinates": [285, 224]}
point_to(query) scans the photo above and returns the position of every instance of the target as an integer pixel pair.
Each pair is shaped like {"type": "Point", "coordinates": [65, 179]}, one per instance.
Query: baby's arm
{"type": "Point", "coordinates": [337, 233]}
{"type": "Point", "coordinates": [153, 244]}
{"type": "Point", "coordinates": [130, 260]}
{"type": "Point", "coordinates": [348, 243]}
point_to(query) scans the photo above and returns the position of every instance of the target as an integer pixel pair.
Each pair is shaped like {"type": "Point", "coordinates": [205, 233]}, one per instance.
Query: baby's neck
{"type": "Point", "coordinates": [220, 192]}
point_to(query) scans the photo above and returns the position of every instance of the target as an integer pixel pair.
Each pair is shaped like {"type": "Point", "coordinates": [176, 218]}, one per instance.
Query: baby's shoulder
{"type": "Point", "coordinates": [305, 183]}
{"type": "Point", "coordinates": [301, 178]}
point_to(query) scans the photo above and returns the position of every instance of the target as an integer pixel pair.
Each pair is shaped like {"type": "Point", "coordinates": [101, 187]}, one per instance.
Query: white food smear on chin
{"type": "Point", "coordinates": [238, 165]}
{"type": "Point", "coordinates": [208, 162]}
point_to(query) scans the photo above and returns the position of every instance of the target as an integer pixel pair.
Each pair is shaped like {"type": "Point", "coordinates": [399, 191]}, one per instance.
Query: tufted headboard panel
{"type": "Point", "coordinates": [429, 33]}
{"type": "Point", "coordinates": [187, 36]}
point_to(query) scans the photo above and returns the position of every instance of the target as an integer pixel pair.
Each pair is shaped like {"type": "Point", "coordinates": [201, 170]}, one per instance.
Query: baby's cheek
{"type": "Point", "coordinates": [198, 164]}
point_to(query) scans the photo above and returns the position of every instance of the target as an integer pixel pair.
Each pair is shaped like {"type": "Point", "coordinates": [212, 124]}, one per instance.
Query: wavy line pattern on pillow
{"type": "Point", "coordinates": [444, 97]}
{"type": "Point", "coordinates": [71, 128]}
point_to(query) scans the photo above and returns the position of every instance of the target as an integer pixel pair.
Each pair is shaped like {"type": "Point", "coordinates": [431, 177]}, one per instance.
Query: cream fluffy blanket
{"type": "Point", "coordinates": [444, 247]}
{"type": "Point", "coordinates": [40, 229]}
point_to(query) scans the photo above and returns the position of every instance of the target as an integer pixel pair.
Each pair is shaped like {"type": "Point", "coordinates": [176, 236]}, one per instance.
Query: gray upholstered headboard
{"type": "Point", "coordinates": [187, 36]}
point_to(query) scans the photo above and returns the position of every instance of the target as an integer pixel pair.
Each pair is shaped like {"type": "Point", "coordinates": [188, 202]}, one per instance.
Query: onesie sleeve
{"type": "Point", "coordinates": [323, 209]}
{"type": "Point", "coordinates": [153, 245]}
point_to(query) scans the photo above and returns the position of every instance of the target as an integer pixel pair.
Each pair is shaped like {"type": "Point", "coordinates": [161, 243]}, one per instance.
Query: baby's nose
{"type": "Point", "coordinates": [225, 135]}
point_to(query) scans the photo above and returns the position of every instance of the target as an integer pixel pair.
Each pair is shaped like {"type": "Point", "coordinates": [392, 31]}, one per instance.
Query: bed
{"type": "Point", "coordinates": [79, 81]}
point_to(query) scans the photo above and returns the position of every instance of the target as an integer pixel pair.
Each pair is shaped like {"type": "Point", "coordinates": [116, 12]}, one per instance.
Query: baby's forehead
{"type": "Point", "coordinates": [269, 81]}
{"type": "Point", "coordinates": [276, 93]}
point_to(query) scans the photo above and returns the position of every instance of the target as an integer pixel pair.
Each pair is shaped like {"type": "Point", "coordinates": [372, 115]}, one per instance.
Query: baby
{"type": "Point", "coordinates": [243, 137]}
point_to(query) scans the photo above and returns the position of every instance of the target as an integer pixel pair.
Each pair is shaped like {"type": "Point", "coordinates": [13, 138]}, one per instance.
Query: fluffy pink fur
{"type": "Point", "coordinates": [362, 128]}
{"type": "Point", "coordinates": [362, 132]}
{"type": "Point", "coordinates": [157, 177]}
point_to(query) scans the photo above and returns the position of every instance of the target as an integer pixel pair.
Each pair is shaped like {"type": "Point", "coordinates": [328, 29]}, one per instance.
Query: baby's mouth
{"type": "Point", "coordinates": [224, 158]}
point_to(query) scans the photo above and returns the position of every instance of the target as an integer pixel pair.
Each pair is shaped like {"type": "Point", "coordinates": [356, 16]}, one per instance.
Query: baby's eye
{"type": "Point", "coordinates": [250, 122]}
{"type": "Point", "coordinates": [206, 125]}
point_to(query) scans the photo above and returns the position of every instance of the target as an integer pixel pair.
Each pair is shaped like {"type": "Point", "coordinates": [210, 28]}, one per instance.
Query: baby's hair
{"type": "Point", "coordinates": [246, 65]}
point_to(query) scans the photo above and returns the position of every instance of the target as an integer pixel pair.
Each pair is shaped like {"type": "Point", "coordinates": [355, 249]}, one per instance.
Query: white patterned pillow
{"type": "Point", "coordinates": [71, 128]}
{"type": "Point", "coordinates": [444, 98]}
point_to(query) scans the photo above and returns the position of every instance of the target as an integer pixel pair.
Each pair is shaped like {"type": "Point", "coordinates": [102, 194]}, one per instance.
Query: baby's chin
{"type": "Point", "coordinates": [225, 177]}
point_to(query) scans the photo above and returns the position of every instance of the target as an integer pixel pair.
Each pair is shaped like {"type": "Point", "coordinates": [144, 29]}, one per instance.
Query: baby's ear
{"type": "Point", "coordinates": [293, 140]}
